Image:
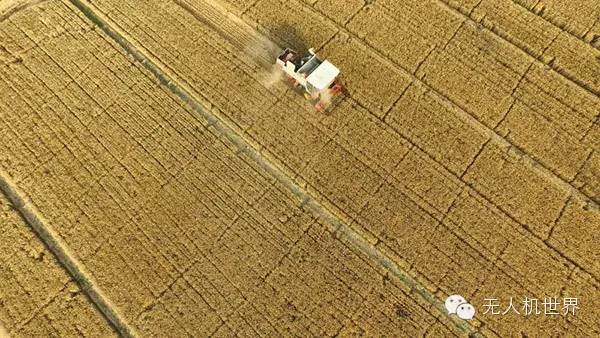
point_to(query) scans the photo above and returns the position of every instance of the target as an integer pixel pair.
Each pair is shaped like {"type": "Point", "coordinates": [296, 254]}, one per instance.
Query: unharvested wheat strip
{"type": "Point", "coordinates": [563, 23]}
{"type": "Point", "coordinates": [32, 72]}
{"type": "Point", "coordinates": [564, 73]}
{"type": "Point", "coordinates": [527, 159]}
{"type": "Point", "coordinates": [500, 140]}
{"type": "Point", "coordinates": [64, 255]}
{"type": "Point", "coordinates": [222, 127]}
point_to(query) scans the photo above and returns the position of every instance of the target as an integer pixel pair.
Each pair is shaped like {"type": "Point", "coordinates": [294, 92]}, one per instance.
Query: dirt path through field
{"type": "Point", "coordinates": [63, 253]}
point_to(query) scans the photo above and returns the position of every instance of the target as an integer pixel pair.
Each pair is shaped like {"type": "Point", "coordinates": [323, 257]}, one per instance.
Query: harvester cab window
{"type": "Point", "coordinates": [297, 65]}
{"type": "Point", "coordinates": [311, 63]}
{"type": "Point", "coordinates": [305, 60]}
{"type": "Point", "coordinates": [299, 62]}
{"type": "Point", "coordinates": [287, 55]}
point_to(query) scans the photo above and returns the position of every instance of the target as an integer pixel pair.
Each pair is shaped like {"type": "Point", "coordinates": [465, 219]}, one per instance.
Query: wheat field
{"type": "Point", "coordinates": [158, 179]}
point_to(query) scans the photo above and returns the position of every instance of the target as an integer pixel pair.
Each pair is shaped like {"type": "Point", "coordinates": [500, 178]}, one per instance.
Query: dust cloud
{"type": "Point", "coordinates": [264, 52]}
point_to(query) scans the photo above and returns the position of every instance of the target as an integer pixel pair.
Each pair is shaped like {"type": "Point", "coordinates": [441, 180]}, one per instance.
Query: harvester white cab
{"type": "Point", "coordinates": [317, 77]}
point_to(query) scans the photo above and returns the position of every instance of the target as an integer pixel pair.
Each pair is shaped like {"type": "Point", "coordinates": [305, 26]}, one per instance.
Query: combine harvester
{"type": "Point", "coordinates": [316, 76]}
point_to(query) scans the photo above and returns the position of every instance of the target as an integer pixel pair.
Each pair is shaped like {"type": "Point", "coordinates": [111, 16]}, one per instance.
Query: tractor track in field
{"type": "Point", "coordinates": [222, 126]}
{"type": "Point", "coordinates": [212, 24]}
{"type": "Point", "coordinates": [63, 254]}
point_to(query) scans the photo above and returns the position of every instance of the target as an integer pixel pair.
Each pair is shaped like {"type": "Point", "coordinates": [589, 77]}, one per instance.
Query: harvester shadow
{"type": "Point", "coordinates": [288, 36]}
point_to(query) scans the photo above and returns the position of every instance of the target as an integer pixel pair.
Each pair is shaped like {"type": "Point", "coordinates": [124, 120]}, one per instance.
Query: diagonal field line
{"type": "Point", "coordinates": [554, 21]}
{"type": "Point", "coordinates": [222, 126]}
{"type": "Point", "coordinates": [64, 255]}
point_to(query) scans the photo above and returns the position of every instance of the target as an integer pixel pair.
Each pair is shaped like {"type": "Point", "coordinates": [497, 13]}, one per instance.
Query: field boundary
{"type": "Point", "coordinates": [225, 128]}
{"type": "Point", "coordinates": [64, 256]}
